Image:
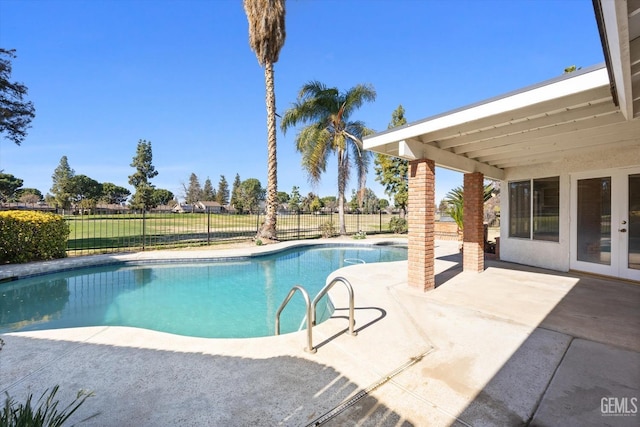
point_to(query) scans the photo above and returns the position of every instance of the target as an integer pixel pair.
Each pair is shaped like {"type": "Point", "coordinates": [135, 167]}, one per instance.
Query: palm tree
{"type": "Point", "coordinates": [454, 200]}
{"type": "Point", "coordinates": [326, 111]}
{"type": "Point", "coordinates": [266, 38]}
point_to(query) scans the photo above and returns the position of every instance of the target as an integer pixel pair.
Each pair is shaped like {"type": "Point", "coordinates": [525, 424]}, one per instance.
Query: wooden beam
{"type": "Point", "coordinates": [453, 161]}
{"type": "Point", "coordinates": [410, 150]}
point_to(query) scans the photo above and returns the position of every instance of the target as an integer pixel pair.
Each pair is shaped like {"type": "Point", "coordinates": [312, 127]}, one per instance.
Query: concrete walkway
{"type": "Point", "coordinates": [509, 346]}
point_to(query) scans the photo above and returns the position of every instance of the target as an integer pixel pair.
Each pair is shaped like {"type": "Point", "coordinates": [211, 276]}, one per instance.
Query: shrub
{"type": "Point", "coordinates": [46, 413]}
{"type": "Point", "coordinates": [328, 229]}
{"type": "Point", "coordinates": [30, 236]}
{"type": "Point", "coordinates": [398, 225]}
{"type": "Point", "coordinates": [360, 235]}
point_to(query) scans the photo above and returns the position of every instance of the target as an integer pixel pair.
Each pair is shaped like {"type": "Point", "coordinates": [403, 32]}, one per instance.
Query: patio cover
{"type": "Point", "coordinates": [587, 110]}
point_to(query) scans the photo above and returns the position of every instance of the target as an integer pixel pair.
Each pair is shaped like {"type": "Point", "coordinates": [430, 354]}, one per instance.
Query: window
{"type": "Point", "coordinates": [519, 209]}
{"type": "Point", "coordinates": [535, 214]}
{"type": "Point", "coordinates": [546, 209]}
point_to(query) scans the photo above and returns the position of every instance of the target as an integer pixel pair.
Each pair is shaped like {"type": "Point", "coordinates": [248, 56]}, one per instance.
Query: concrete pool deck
{"type": "Point", "coordinates": [510, 346]}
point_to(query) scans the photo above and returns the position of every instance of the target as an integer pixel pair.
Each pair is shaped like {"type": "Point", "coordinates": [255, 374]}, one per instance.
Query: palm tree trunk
{"type": "Point", "coordinates": [342, 183]}
{"type": "Point", "coordinates": [268, 230]}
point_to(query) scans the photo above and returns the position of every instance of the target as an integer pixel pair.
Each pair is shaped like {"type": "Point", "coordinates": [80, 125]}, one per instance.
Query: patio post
{"type": "Point", "coordinates": [473, 216]}
{"type": "Point", "coordinates": [421, 224]}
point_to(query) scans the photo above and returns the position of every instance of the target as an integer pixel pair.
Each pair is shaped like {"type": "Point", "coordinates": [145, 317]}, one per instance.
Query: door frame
{"type": "Point", "coordinates": [619, 212]}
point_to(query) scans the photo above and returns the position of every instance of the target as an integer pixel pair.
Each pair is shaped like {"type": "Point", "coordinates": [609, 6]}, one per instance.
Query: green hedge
{"type": "Point", "coordinates": [398, 225]}
{"type": "Point", "coordinates": [32, 236]}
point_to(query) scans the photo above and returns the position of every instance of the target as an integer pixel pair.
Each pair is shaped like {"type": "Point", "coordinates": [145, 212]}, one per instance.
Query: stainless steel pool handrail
{"type": "Point", "coordinates": [324, 291]}
{"type": "Point", "coordinates": [308, 315]}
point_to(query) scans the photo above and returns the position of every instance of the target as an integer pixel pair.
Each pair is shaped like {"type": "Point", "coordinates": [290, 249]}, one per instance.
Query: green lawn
{"type": "Point", "coordinates": [101, 232]}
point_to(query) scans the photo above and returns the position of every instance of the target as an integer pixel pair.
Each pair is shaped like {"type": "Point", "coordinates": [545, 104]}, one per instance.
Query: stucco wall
{"type": "Point", "coordinates": [555, 255]}
{"type": "Point", "coordinates": [539, 253]}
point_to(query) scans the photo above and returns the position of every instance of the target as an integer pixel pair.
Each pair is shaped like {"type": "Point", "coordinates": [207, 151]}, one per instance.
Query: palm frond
{"type": "Point", "coordinates": [355, 97]}
{"type": "Point", "coordinates": [311, 142]}
{"type": "Point", "coordinates": [266, 28]}
{"type": "Point", "coordinates": [361, 161]}
{"type": "Point", "coordinates": [358, 129]}
{"type": "Point", "coordinates": [314, 104]}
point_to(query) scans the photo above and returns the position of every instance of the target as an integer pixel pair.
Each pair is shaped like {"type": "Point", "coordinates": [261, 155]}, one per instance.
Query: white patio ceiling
{"type": "Point", "coordinates": [562, 117]}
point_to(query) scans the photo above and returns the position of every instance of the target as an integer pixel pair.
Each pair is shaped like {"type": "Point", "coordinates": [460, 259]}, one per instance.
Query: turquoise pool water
{"type": "Point", "coordinates": [216, 299]}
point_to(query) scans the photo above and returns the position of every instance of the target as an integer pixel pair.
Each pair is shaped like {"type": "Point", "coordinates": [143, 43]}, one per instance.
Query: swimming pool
{"type": "Point", "coordinates": [233, 298]}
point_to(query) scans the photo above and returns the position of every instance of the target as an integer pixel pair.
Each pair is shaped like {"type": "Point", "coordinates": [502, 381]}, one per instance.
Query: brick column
{"type": "Point", "coordinates": [421, 207]}
{"type": "Point", "coordinates": [473, 232]}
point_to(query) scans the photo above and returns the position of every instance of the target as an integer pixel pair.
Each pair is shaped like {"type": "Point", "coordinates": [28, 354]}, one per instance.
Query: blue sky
{"type": "Point", "coordinates": [105, 73]}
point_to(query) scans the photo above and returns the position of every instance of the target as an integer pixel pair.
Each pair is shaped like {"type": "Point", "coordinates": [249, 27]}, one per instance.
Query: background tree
{"type": "Point", "coordinates": [316, 205]}
{"type": "Point", "coordinates": [9, 185]}
{"type": "Point", "coordinates": [208, 193]}
{"type": "Point", "coordinates": [85, 192]}
{"type": "Point", "coordinates": [235, 194]}
{"type": "Point", "coordinates": [330, 202]}
{"type": "Point", "coordinates": [266, 38]}
{"type": "Point", "coordinates": [369, 201]}
{"type": "Point", "coordinates": [354, 203]}
{"type": "Point", "coordinates": [251, 194]}
{"type": "Point", "coordinates": [114, 194]}
{"type": "Point", "coordinates": [60, 189]}
{"type": "Point", "coordinates": [327, 113]}
{"type": "Point", "coordinates": [142, 162]}
{"type": "Point", "coordinates": [222, 195]}
{"type": "Point", "coordinates": [383, 204]}
{"type": "Point", "coordinates": [295, 200]}
{"type": "Point", "coordinates": [29, 195]}
{"type": "Point", "coordinates": [15, 113]}
{"type": "Point", "coordinates": [571, 69]}
{"type": "Point", "coordinates": [307, 200]}
{"type": "Point", "coordinates": [49, 199]}
{"type": "Point", "coordinates": [443, 206]}
{"type": "Point", "coordinates": [392, 172]}
{"type": "Point", "coordinates": [162, 197]}
{"type": "Point", "coordinates": [193, 193]}
{"type": "Point", "coordinates": [492, 206]}
{"type": "Point", "coordinates": [365, 201]}
{"type": "Point", "coordinates": [283, 197]}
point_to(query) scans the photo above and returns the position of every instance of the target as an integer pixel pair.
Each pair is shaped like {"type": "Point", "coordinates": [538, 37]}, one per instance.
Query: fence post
{"type": "Point", "coordinates": [298, 238]}
{"type": "Point", "coordinates": [257, 222]}
{"type": "Point", "coordinates": [144, 227]}
{"type": "Point", "coordinates": [380, 215]}
{"type": "Point", "coordinates": [208, 226]}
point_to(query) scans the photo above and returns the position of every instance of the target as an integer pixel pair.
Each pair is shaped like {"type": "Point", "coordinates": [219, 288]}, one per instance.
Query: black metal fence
{"type": "Point", "coordinates": [122, 232]}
